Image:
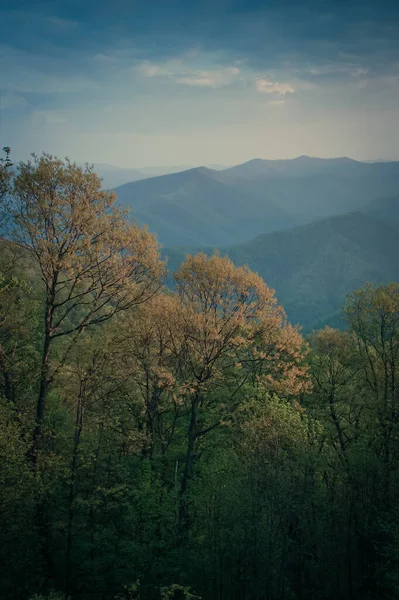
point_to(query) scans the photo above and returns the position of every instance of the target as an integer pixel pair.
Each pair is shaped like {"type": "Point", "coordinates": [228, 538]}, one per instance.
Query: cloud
{"type": "Point", "coordinates": [197, 69]}
{"type": "Point", "coordinates": [346, 69]}
{"type": "Point", "coordinates": [201, 80]}
{"type": "Point", "coordinates": [389, 83]}
{"type": "Point", "coordinates": [214, 78]}
{"type": "Point", "coordinates": [189, 72]}
{"type": "Point", "coordinates": [273, 87]}
{"type": "Point", "coordinates": [148, 69]}
{"type": "Point", "coordinates": [145, 68]}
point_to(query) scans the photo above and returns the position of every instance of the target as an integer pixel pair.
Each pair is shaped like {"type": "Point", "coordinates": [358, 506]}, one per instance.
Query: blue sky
{"type": "Point", "coordinates": [146, 83]}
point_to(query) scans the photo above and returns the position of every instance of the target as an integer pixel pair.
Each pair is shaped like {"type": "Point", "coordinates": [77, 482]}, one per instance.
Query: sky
{"type": "Point", "coordinates": [138, 83]}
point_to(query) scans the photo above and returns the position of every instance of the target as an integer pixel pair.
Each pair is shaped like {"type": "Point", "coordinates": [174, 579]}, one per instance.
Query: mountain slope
{"type": "Point", "coordinates": [385, 208]}
{"type": "Point", "coordinates": [198, 207]}
{"type": "Point", "coordinates": [113, 176]}
{"type": "Point", "coordinates": [206, 207]}
{"type": "Point", "coordinates": [313, 267]}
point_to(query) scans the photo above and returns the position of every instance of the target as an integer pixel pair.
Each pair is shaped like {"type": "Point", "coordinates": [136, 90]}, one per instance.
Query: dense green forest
{"type": "Point", "coordinates": [184, 443]}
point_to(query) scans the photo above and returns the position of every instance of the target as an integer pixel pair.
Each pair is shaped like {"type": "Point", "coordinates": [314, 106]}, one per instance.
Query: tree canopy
{"type": "Point", "coordinates": [162, 444]}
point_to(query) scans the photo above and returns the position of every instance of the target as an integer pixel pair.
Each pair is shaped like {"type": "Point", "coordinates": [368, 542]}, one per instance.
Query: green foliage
{"type": "Point", "coordinates": [197, 446]}
{"type": "Point", "coordinates": [177, 592]}
{"type": "Point", "coordinates": [51, 596]}
{"type": "Point", "coordinates": [130, 592]}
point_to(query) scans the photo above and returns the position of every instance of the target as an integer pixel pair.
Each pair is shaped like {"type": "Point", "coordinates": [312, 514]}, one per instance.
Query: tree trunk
{"type": "Point", "coordinates": [78, 431]}
{"type": "Point", "coordinates": [44, 369]}
{"type": "Point", "coordinates": [43, 524]}
{"type": "Point", "coordinates": [189, 462]}
{"type": "Point", "coordinates": [41, 401]}
{"type": "Point", "coordinates": [8, 384]}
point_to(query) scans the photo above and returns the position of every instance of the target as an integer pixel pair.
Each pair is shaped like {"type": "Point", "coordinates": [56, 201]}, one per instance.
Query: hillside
{"type": "Point", "coordinates": [113, 176]}
{"type": "Point", "coordinates": [313, 267]}
{"type": "Point", "coordinates": [199, 207]}
{"type": "Point", "coordinates": [206, 207]}
{"type": "Point", "coordinates": [385, 208]}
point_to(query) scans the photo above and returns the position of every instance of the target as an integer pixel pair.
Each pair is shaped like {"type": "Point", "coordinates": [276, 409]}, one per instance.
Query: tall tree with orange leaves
{"type": "Point", "coordinates": [93, 262]}
{"type": "Point", "coordinates": [232, 331]}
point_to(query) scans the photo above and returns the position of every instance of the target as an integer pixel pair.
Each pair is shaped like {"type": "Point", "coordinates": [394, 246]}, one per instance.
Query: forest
{"type": "Point", "coordinates": [182, 442]}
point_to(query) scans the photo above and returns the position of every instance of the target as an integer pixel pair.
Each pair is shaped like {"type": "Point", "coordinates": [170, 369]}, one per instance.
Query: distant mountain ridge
{"type": "Point", "coordinates": [314, 229]}
{"type": "Point", "coordinates": [312, 267]}
{"type": "Point", "coordinates": [113, 176]}
{"type": "Point", "coordinates": [303, 166]}
{"type": "Point", "coordinates": [202, 206]}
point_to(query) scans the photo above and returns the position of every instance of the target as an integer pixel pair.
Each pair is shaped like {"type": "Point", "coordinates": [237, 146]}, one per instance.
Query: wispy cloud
{"type": "Point", "coordinates": [199, 80]}
{"type": "Point", "coordinates": [346, 69]}
{"type": "Point", "coordinates": [149, 69]}
{"type": "Point", "coordinates": [389, 83]}
{"type": "Point", "coordinates": [199, 77]}
{"type": "Point", "coordinates": [214, 78]}
{"type": "Point", "coordinates": [200, 70]}
{"type": "Point", "coordinates": [266, 86]}
{"type": "Point", "coordinates": [189, 72]}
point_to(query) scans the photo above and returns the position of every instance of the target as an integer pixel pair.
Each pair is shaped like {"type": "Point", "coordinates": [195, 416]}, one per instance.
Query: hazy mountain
{"type": "Point", "coordinates": [113, 176]}
{"type": "Point", "coordinates": [313, 267]}
{"type": "Point", "coordinates": [379, 160]}
{"type": "Point", "coordinates": [304, 166]}
{"type": "Point", "coordinates": [155, 171]}
{"type": "Point", "coordinates": [199, 207]}
{"type": "Point", "coordinates": [385, 208]}
{"type": "Point", "coordinates": [207, 207]}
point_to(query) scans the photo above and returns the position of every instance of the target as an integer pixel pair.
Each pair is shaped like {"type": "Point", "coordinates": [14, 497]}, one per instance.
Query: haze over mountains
{"type": "Point", "coordinates": [314, 229]}
{"type": "Point", "coordinates": [113, 176]}
{"type": "Point", "coordinates": [312, 267]}
{"type": "Point", "coordinates": [202, 206]}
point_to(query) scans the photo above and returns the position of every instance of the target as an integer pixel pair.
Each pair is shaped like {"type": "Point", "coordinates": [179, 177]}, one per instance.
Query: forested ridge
{"type": "Point", "coordinates": [185, 443]}
{"type": "Point", "coordinates": [313, 267]}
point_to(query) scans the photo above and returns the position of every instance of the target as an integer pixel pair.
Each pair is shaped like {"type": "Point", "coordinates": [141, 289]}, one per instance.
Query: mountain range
{"type": "Point", "coordinates": [114, 176]}
{"type": "Point", "coordinates": [203, 206]}
{"type": "Point", "coordinates": [313, 267]}
{"type": "Point", "coordinates": [314, 229]}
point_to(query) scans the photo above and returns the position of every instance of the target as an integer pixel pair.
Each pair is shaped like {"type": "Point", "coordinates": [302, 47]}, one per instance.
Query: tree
{"type": "Point", "coordinates": [149, 355]}
{"type": "Point", "coordinates": [373, 316]}
{"type": "Point", "coordinates": [5, 184]}
{"type": "Point", "coordinates": [232, 330]}
{"type": "Point", "coordinates": [334, 372]}
{"type": "Point", "coordinates": [93, 262]}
